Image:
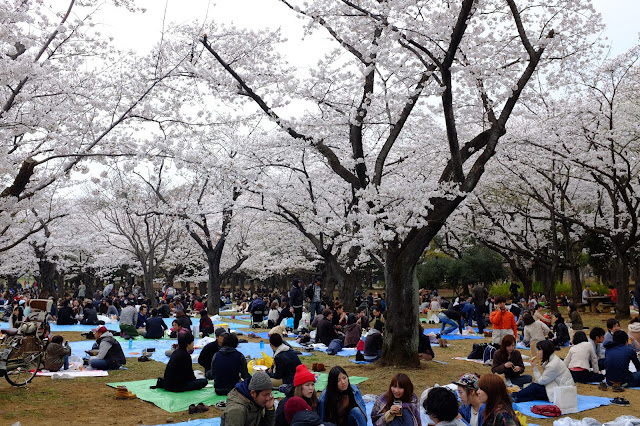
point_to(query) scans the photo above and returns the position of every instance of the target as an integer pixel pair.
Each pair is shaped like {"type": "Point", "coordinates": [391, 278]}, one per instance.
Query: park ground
{"type": "Point", "coordinates": [90, 401]}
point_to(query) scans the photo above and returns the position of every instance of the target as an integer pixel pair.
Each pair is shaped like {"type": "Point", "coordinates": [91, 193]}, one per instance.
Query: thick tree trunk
{"type": "Point", "coordinates": [213, 286]}
{"type": "Point", "coordinates": [46, 281]}
{"type": "Point", "coordinates": [620, 275]}
{"type": "Point", "coordinates": [576, 284]}
{"type": "Point", "coordinates": [400, 347]}
{"type": "Point", "coordinates": [549, 286]}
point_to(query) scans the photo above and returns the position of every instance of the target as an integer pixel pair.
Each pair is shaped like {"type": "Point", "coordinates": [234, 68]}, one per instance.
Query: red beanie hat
{"type": "Point", "coordinates": [294, 405]}
{"type": "Point", "coordinates": [303, 375]}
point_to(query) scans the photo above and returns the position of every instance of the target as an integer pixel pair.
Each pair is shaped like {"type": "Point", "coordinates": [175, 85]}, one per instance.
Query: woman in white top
{"type": "Point", "coordinates": [554, 373]}
{"type": "Point", "coordinates": [582, 360]}
{"type": "Point", "coordinates": [274, 314]}
{"type": "Point", "coordinates": [534, 332]}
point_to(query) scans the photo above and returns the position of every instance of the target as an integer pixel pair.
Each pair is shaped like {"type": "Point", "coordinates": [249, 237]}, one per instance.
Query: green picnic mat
{"type": "Point", "coordinates": [321, 381]}
{"type": "Point", "coordinates": [173, 402]}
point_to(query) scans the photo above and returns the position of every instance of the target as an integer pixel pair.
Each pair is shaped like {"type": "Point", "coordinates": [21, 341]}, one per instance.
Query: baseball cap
{"type": "Point", "coordinates": [220, 332]}
{"type": "Point", "coordinates": [101, 329]}
{"type": "Point", "coordinates": [468, 380]}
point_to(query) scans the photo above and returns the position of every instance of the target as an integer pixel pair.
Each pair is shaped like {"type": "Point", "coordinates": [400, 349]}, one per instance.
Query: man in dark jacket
{"type": "Point", "coordinates": [155, 326]}
{"type": "Point", "coordinates": [285, 361]}
{"type": "Point", "coordinates": [373, 344]}
{"type": "Point", "coordinates": [210, 350]}
{"type": "Point", "coordinates": [617, 358]}
{"type": "Point", "coordinates": [325, 332]}
{"type": "Point", "coordinates": [90, 313]}
{"type": "Point", "coordinates": [65, 314]}
{"type": "Point", "coordinates": [110, 355]}
{"type": "Point", "coordinates": [296, 300]}
{"type": "Point", "coordinates": [452, 318]}
{"type": "Point", "coordinates": [228, 365]}
{"type": "Point", "coordinates": [479, 296]}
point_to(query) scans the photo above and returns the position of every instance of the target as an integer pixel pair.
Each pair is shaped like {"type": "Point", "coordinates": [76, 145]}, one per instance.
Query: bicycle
{"type": "Point", "coordinates": [22, 349]}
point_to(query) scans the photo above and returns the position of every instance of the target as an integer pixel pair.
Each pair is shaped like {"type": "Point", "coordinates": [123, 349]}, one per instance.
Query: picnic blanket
{"type": "Point", "coordinates": [198, 422]}
{"type": "Point", "coordinates": [161, 345]}
{"type": "Point", "coordinates": [174, 402]}
{"type": "Point", "coordinates": [453, 336]}
{"type": "Point", "coordinates": [74, 373]}
{"type": "Point", "coordinates": [585, 402]}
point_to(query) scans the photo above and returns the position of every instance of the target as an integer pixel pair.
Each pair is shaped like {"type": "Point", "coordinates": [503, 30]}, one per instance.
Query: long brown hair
{"type": "Point", "coordinates": [403, 381]}
{"type": "Point", "coordinates": [502, 353]}
{"type": "Point", "coordinates": [497, 396]}
{"type": "Point", "coordinates": [313, 401]}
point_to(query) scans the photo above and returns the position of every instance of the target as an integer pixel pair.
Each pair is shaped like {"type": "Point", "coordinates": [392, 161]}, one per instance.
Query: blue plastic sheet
{"type": "Point", "coordinates": [452, 336]}
{"type": "Point", "coordinates": [585, 402]}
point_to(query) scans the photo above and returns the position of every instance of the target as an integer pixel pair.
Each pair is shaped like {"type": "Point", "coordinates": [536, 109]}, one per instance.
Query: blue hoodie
{"type": "Point", "coordinates": [617, 362]}
{"type": "Point", "coordinates": [465, 412]}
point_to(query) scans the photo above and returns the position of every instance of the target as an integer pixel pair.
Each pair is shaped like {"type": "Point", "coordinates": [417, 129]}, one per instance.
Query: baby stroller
{"type": "Point", "coordinates": [258, 311]}
{"type": "Point", "coordinates": [22, 349]}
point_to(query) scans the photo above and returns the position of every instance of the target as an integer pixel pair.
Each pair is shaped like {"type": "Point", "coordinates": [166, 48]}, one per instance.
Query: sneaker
{"type": "Point", "coordinates": [603, 386]}
{"type": "Point", "coordinates": [620, 401]}
{"type": "Point", "coordinates": [221, 404]}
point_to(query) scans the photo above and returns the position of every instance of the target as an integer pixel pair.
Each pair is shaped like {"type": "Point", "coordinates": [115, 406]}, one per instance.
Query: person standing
{"type": "Point", "coordinates": [296, 299]}
{"type": "Point", "coordinates": [479, 296]}
{"type": "Point", "coordinates": [315, 298]}
{"type": "Point", "coordinates": [82, 290]}
{"type": "Point", "coordinates": [503, 321]}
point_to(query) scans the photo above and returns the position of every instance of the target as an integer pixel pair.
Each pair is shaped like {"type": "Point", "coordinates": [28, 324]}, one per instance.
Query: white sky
{"type": "Point", "coordinates": [620, 16]}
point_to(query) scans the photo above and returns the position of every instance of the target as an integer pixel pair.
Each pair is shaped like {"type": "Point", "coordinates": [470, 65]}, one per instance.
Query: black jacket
{"type": "Point", "coordinates": [115, 356]}
{"type": "Point", "coordinates": [325, 332]}
{"type": "Point", "coordinates": [372, 344]}
{"type": "Point", "coordinates": [90, 316]}
{"type": "Point", "coordinates": [227, 367]}
{"type": "Point", "coordinates": [285, 363]}
{"type": "Point", "coordinates": [164, 311]}
{"type": "Point", "coordinates": [65, 316]}
{"type": "Point", "coordinates": [155, 328]}
{"type": "Point", "coordinates": [179, 371]}
{"type": "Point", "coordinates": [207, 354]}
{"type": "Point", "coordinates": [295, 297]}
{"type": "Point", "coordinates": [424, 345]}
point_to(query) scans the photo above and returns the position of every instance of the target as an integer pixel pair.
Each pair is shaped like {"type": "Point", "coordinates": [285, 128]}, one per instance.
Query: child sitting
{"type": "Point", "coordinates": [57, 355]}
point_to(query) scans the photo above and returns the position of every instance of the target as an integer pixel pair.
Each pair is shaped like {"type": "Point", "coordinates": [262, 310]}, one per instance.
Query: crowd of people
{"type": "Point", "coordinates": [600, 356]}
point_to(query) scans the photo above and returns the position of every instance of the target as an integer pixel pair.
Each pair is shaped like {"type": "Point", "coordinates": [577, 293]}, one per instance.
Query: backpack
{"type": "Point", "coordinates": [359, 356]}
{"type": "Point", "coordinates": [487, 355]}
{"type": "Point", "coordinates": [478, 351]}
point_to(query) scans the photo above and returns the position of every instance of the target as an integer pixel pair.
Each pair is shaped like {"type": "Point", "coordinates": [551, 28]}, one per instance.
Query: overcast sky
{"type": "Point", "coordinates": [620, 16]}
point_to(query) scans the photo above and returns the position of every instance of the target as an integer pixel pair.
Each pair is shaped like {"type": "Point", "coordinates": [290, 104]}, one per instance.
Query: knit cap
{"type": "Point", "coordinates": [260, 381]}
{"type": "Point", "coordinates": [303, 375]}
{"type": "Point", "coordinates": [294, 405]}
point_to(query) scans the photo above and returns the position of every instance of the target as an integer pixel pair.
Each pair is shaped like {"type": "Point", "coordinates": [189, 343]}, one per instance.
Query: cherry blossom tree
{"type": "Point", "coordinates": [372, 109]}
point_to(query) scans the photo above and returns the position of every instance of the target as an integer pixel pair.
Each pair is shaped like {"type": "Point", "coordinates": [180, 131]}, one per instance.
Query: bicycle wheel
{"type": "Point", "coordinates": [22, 371]}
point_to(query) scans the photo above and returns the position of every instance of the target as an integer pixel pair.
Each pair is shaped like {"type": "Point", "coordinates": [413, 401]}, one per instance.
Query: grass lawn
{"type": "Point", "coordinates": [91, 401]}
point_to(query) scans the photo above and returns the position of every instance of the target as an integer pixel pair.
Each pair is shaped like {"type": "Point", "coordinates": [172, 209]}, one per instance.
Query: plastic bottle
{"type": "Point", "coordinates": [130, 343]}
{"type": "Point", "coordinates": [262, 345]}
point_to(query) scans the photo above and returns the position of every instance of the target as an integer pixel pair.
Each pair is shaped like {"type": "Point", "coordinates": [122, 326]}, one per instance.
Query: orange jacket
{"type": "Point", "coordinates": [503, 320]}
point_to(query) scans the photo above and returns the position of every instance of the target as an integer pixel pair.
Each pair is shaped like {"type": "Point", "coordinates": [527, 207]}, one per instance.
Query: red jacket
{"type": "Point", "coordinates": [614, 295]}
{"type": "Point", "coordinates": [503, 320]}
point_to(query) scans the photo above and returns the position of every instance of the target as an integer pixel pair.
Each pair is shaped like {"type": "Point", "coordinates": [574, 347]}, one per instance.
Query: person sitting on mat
{"type": "Point", "coordinates": [250, 403]}
{"type": "Point", "coordinates": [582, 360]}
{"type": "Point", "coordinates": [554, 374]}
{"type": "Point", "coordinates": [178, 375]}
{"type": "Point", "coordinates": [616, 361]}
{"type": "Point", "coordinates": [110, 355]}
{"type": "Point", "coordinates": [285, 361]}
{"type": "Point", "coordinates": [228, 365]}
{"type": "Point", "coordinates": [155, 326]}
{"type": "Point", "coordinates": [508, 361]}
